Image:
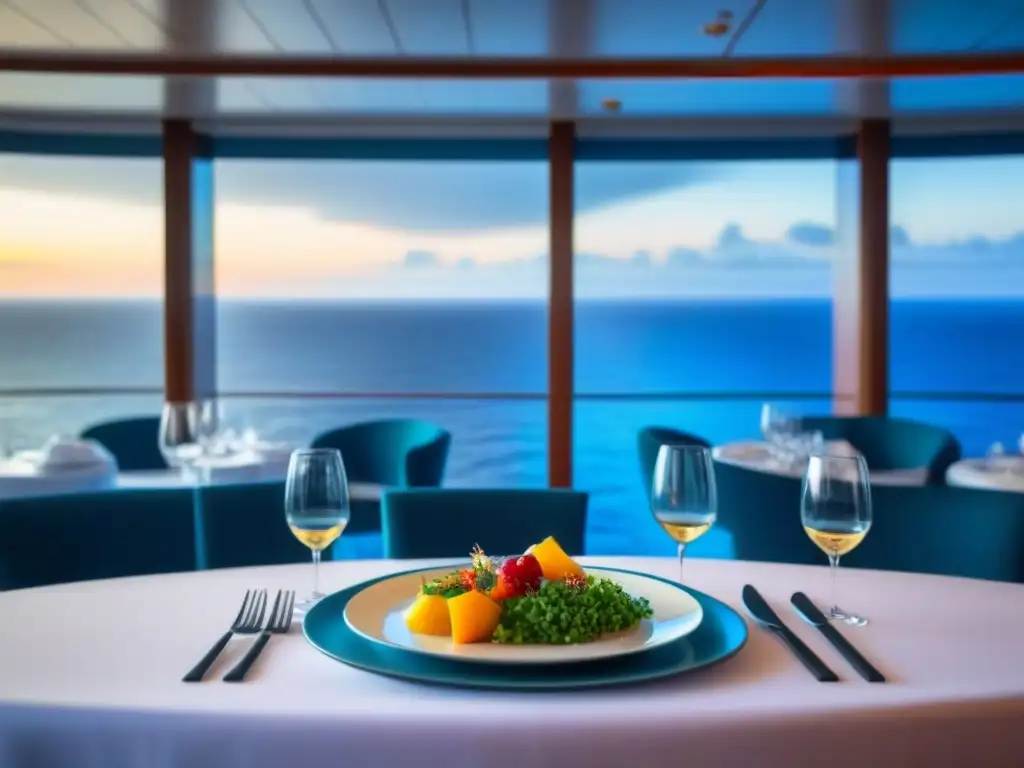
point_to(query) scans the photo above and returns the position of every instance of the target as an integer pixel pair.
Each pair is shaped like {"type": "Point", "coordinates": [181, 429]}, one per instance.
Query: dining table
{"type": "Point", "coordinates": [758, 455]}
{"type": "Point", "coordinates": [1000, 473]}
{"type": "Point", "coordinates": [90, 676]}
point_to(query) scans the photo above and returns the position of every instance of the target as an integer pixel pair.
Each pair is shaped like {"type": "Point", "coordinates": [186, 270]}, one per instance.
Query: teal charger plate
{"type": "Point", "coordinates": [721, 635]}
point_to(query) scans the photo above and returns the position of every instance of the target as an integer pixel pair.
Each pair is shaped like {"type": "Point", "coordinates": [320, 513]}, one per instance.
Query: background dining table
{"type": "Point", "coordinates": [90, 676]}
{"type": "Point", "coordinates": [1004, 473]}
{"type": "Point", "coordinates": [757, 455]}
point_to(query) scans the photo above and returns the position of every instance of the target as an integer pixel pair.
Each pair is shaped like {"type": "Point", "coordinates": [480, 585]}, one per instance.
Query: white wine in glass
{"type": "Point", "coordinates": [316, 505]}
{"type": "Point", "coordinates": [684, 498]}
{"type": "Point", "coordinates": [835, 509]}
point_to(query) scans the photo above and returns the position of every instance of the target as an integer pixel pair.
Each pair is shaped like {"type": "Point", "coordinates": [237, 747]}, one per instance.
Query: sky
{"type": "Point", "coordinates": [92, 228]}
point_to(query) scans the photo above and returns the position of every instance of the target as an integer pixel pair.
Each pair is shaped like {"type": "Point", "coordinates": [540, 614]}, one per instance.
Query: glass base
{"type": "Point", "coordinates": [302, 608]}
{"type": "Point", "coordinates": [838, 614]}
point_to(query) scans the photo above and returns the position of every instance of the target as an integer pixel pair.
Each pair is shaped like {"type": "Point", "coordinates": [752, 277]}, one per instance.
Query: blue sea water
{"type": "Point", "coordinates": [631, 358]}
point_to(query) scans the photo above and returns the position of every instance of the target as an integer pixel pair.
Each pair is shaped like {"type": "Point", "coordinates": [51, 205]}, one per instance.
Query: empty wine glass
{"type": "Point", "coordinates": [776, 426]}
{"type": "Point", "coordinates": [316, 505]}
{"type": "Point", "coordinates": [179, 436]}
{"type": "Point", "coordinates": [835, 509]}
{"type": "Point", "coordinates": [684, 498]}
{"type": "Point", "coordinates": [210, 425]}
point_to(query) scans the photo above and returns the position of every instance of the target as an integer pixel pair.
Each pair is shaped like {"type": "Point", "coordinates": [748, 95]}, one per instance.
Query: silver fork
{"type": "Point", "coordinates": [280, 622]}
{"type": "Point", "coordinates": [247, 622]}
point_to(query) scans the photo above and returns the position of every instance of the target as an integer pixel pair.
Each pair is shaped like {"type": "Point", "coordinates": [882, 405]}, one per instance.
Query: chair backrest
{"type": "Point", "coordinates": [945, 530]}
{"type": "Point", "coordinates": [889, 443]}
{"type": "Point", "coordinates": [243, 524]}
{"type": "Point", "coordinates": [133, 442]}
{"type": "Point", "coordinates": [924, 529]}
{"type": "Point", "coordinates": [449, 522]}
{"type": "Point", "coordinates": [396, 452]}
{"type": "Point", "coordinates": [762, 512]}
{"type": "Point", "coordinates": [649, 441]}
{"type": "Point", "coordinates": [82, 536]}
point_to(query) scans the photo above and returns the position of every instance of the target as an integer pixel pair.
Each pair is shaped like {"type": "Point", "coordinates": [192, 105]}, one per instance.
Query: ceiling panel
{"type": "Point", "coordinates": [790, 28]}
{"type": "Point", "coordinates": [356, 27]}
{"type": "Point", "coordinates": [502, 28]}
{"type": "Point", "coordinates": [428, 27]}
{"type": "Point", "coordinates": [85, 24]}
{"type": "Point", "coordinates": [676, 98]}
{"type": "Point", "coordinates": [659, 27]}
{"type": "Point", "coordinates": [271, 25]}
{"type": "Point", "coordinates": [89, 94]}
{"type": "Point", "coordinates": [937, 26]}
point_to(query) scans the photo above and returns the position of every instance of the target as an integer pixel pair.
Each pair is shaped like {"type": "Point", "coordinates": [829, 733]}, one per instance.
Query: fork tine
{"type": "Point", "coordinates": [285, 619]}
{"type": "Point", "coordinates": [258, 620]}
{"type": "Point", "coordinates": [273, 611]}
{"type": "Point", "coordinates": [251, 612]}
{"type": "Point", "coordinates": [241, 611]}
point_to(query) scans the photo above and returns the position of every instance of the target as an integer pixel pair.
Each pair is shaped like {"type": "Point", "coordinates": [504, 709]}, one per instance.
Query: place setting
{"type": "Point", "coordinates": [540, 620]}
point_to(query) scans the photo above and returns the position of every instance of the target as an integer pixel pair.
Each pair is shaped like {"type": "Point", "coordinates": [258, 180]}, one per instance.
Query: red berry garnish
{"type": "Point", "coordinates": [468, 577]}
{"type": "Point", "coordinates": [520, 575]}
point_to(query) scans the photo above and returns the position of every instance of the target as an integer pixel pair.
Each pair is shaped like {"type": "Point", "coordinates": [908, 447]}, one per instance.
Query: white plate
{"type": "Point", "coordinates": [377, 614]}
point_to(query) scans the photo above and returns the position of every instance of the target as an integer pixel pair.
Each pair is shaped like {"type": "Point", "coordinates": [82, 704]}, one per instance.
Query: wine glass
{"type": "Point", "coordinates": [209, 425]}
{"type": "Point", "coordinates": [835, 509]}
{"type": "Point", "coordinates": [684, 499]}
{"type": "Point", "coordinates": [776, 426]}
{"type": "Point", "coordinates": [316, 505]}
{"type": "Point", "coordinates": [179, 436]}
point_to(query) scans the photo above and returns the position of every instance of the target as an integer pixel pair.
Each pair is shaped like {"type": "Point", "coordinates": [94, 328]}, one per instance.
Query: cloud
{"type": "Point", "coordinates": [898, 237]}
{"type": "Point", "coordinates": [811, 234]}
{"type": "Point", "coordinates": [408, 195]}
{"type": "Point", "coordinates": [419, 259]}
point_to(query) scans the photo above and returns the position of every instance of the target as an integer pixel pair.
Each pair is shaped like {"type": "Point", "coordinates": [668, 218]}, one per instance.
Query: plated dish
{"type": "Point", "coordinates": [538, 607]}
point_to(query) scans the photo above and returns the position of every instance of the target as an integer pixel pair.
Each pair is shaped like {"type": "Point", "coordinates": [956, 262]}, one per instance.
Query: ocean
{"type": "Point", "coordinates": [630, 359]}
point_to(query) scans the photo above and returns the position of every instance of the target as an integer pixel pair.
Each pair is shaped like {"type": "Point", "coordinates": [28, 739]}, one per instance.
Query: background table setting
{"type": "Point", "coordinates": [999, 473]}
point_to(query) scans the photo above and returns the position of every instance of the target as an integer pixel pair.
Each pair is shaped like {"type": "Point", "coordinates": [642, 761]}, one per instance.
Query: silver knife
{"type": "Point", "coordinates": [816, 618]}
{"type": "Point", "coordinates": [759, 609]}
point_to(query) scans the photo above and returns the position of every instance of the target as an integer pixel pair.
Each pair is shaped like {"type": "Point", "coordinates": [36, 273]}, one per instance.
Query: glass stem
{"type": "Point", "coordinates": [682, 551]}
{"type": "Point", "coordinates": [833, 566]}
{"type": "Point", "coordinates": [316, 574]}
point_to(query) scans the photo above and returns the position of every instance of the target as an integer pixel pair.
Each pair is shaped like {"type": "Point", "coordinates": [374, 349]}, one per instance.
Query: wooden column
{"type": "Point", "coordinates": [189, 298]}
{"type": "Point", "coordinates": [861, 302]}
{"type": "Point", "coordinates": [560, 306]}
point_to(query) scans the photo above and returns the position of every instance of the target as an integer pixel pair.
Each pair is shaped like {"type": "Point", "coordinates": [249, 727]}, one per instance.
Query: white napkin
{"type": "Point", "coordinates": [69, 453]}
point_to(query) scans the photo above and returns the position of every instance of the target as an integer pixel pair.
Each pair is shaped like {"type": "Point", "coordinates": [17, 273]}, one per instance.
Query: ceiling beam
{"type": "Point", "coordinates": [910, 65]}
{"type": "Point", "coordinates": [863, 29]}
{"type": "Point", "coordinates": [571, 27]}
{"type": "Point", "coordinates": [190, 30]}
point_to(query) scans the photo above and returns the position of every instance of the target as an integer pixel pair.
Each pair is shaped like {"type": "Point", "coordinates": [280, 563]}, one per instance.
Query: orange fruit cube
{"type": "Point", "coordinates": [474, 617]}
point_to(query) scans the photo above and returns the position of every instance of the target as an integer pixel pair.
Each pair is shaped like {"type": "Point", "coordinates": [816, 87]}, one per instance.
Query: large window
{"type": "Point", "coordinates": [344, 286]}
{"type": "Point", "coordinates": [957, 296]}
{"type": "Point", "coordinates": [702, 289]}
{"type": "Point", "coordinates": [81, 280]}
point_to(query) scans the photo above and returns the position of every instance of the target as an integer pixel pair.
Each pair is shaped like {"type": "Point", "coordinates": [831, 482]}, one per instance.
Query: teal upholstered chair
{"type": "Point", "coordinates": [448, 522]}
{"type": "Point", "coordinates": [135, 443]}
{"type": "Point", "coordinates": [945, 530]}
{"type": "Point", "coordinates": [649, 441]}
{"type": "Point", "coordinates": [762, 512]}
{"type": "Point", "coordinates": [76, 537]}
{"type": "Point", "coordinates": [889, 443]}
{"type": "Point", "coordinates": [400, 453]}
{"type": "Point", "coordinates": [243, 524]}
{"type": "Point", "coordinates": [911, 528]}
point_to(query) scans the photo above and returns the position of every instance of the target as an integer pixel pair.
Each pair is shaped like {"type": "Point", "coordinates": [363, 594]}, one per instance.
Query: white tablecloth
{"type": "Point", "coordinates": [1002, 474]}
{"type": "Point", "coordinates": [89, 677]}
{"type": "Point", "coordinates": [755, 455]}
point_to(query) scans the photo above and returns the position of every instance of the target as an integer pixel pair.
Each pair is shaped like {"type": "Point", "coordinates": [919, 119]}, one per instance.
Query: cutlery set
{"type": "Point", "coordinates": [763, 613]}
{"type": "Point", "coordinates": [249, 621]}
